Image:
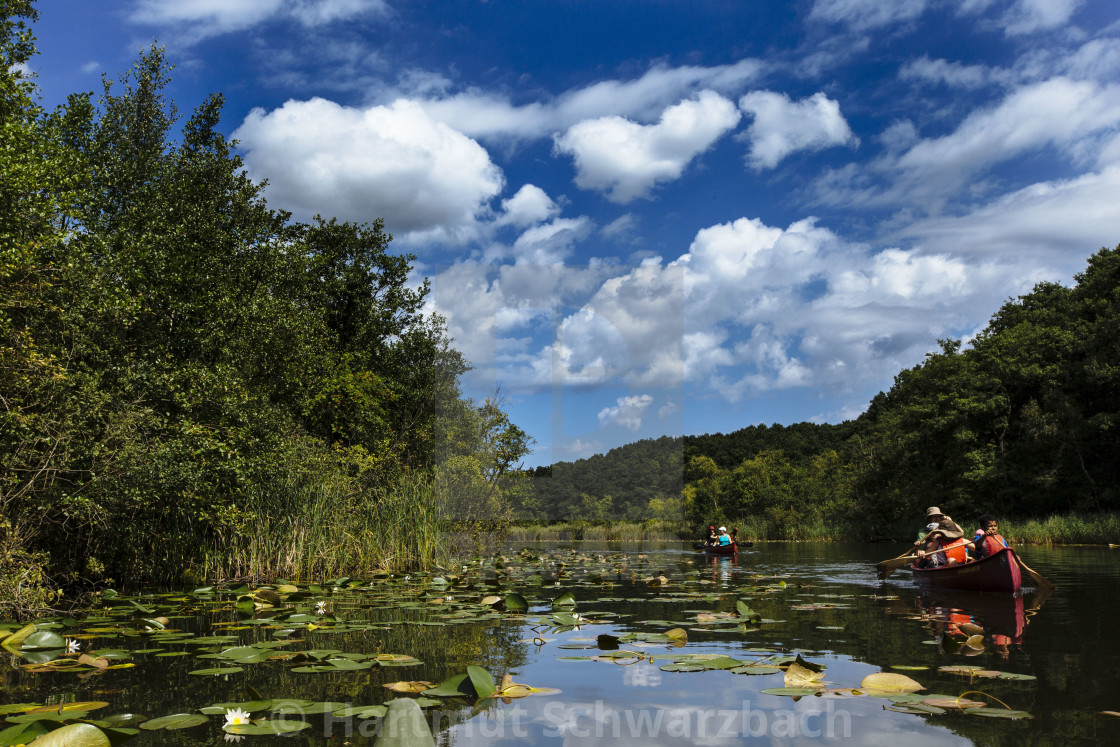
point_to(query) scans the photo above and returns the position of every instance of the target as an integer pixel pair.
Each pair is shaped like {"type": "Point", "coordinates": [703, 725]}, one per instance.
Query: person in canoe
{"type": "Point", "coordinates": [938, 550]}
{"type": "Point", "coordinates": [713, 536]}
{"type": "Point", "coordinates": [948, 528]}
{"type": "Point", "coordinates": [724, 537]}
{"type": "Point", "coordinates": [987, 539]}
{"type": "Point", "coordinates": [942, 542]}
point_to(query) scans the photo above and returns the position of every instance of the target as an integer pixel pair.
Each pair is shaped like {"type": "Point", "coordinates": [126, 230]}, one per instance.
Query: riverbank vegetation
{"type": "Point", "coordinates": [194, 383]}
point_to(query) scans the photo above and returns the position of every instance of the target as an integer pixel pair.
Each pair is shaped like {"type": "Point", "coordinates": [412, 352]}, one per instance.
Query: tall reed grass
{"type": "Point", "coordinates": [1066, 529]}
{"type": "Point", "coordinates": [303, 529]}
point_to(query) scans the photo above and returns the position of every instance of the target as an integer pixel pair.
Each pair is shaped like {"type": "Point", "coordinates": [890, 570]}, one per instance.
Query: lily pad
{"type": "Point", "coordinates": [683, 667]}
{"type": "Point", "coordinates": [175, 721]}
{"type": "Point", "coordinates": [74, 735]}
{"type": "Point", "coordinates": [481, 680]}
{"type": "Point", "coordinates": [17, 707]}
{"type": "Point", "coordinates": [567, 599]}
{"type": "Point", "coordinates": [16, 638]}
{"type": "Point", "coordinates": [950, 702]}
{"type": "Point", "coordinates": [890, 682]}
{"type": "Point", "coordinates": [756, 669]}
{"type": "Point", "coordinates": [22, 733]}
{"type": "Point", "coordinates": [365, 711]}
{"type": "Point", "coordinates": [215, 671]}
{"type": "Point", "coordinates": [998, 713]}
{"type": "Point", "coordinates": [266, 726]}
{"type": "Point", "coordinates": [795, 692]}
{"type": "Point", "coordinates": [516, 603]}
{"type": "Point", "coordinates": [408, 686]}
{"type": "Point", "coordinates": [43, 639]}
{"type": "Point", "coordinates": [405, 726]}
{"type": "Point", "coordinates": [306, 708]}
{"type": "Point", "coordinates": [85, 706]}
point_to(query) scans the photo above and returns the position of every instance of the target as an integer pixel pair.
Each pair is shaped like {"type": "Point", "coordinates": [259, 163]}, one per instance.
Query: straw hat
{"type": "Point", "coordinates": [934, 511]}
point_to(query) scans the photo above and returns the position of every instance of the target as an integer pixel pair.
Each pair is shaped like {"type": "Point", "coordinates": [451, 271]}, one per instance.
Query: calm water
{"type": "Point", "coordinates": [831, 610]}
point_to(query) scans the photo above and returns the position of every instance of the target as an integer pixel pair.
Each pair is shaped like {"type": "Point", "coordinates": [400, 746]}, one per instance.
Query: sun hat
{"type": "Point", "coordinates": [934, 511]}
{"type": "Point", "coordinates": [723, 529]}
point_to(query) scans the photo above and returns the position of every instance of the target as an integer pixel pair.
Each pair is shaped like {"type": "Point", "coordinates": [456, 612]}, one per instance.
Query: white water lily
{"type": "Point", "coordinates": [236, 717]}
{"type": "Point", "coordinates": [72, 646]}
{"type": "Point", "coordinates": [320, 608]}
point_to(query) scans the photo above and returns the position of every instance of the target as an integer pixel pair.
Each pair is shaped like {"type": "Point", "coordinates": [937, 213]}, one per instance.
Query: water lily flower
{"type": "Point", "coordinates": [72, 646]}
{"type": "Point", "coordinates": [320, 608]}
{"type": "Point", "coordinates": [237, 717]}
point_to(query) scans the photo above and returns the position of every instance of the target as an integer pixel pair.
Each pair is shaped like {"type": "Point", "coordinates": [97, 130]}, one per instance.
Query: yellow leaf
{"type": "Point", "coordinates": [100, 662]}
{"type": "Point", "coordinates": [17, 637]}
{"type": "Point", "coordinates": [890, 682]}
{"type": "Point", "coordinates": [799, 676]}
{"type": "Point", "coordinates": [409, 686]}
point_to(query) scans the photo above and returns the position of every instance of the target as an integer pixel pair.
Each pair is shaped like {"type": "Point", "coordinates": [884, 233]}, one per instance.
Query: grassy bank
{"type": "Point", "coordinates": [1064, 529]}
{"type": "Point", "coordinates": [599, 531]}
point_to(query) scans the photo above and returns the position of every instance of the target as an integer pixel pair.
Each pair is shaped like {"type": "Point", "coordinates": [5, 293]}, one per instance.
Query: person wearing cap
{"type": "Point", "coordinates": [948, 528]}
{"type": "Point", "coordinates": [939, 534]}
{"type": "Point", "coordinates": [724, 537]}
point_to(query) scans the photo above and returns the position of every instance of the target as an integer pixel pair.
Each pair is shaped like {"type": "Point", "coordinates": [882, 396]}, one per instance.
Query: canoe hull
{"type": "Point", "coordinates": [722, 549]}
{"type": "Point", "coordinates": [998, 572]}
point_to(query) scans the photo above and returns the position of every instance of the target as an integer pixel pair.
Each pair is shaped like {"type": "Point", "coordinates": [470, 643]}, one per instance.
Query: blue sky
{"type": "Point", "coordinates": [650, 217]}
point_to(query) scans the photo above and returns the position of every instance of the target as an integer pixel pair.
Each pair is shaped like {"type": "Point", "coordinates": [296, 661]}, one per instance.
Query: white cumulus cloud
{"type": "Point", "coordinates": [626, 159]}
{"type": "Point", "coordinates": [529, 205]}
{"type": "Point", "coordinates": [628, 412]}
{"type": "Point", "coordinates": [488, 115]}
{"type": "Point", "coordinates": [391, 161]}
{"type": "Point", "coordinates": [782, 126]}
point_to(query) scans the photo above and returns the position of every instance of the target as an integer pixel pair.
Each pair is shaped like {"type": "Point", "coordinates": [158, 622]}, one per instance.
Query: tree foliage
{"type": "Point", "coordinates": [169, 343]}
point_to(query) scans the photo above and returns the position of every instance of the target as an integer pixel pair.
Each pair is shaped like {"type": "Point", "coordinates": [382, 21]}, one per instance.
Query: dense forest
{"type": "Point", "coordinates": [1024, 421]}
{"type": "Point", "coordinates": [191, 383]}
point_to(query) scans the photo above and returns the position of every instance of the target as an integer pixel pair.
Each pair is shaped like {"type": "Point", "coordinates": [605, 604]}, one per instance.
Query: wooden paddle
{"type": "Point", "coordinates": [1035, 576]}
{"type": "Point", "coordinates": [887, 567]}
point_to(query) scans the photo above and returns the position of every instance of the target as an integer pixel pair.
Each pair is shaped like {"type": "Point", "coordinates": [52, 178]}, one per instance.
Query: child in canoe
{"type": "Point", "coordinates": [987, 540]}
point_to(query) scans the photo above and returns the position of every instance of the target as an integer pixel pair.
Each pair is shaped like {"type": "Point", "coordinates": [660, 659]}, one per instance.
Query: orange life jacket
{"type": "Point", "coordinates": [955, 550]}
{"type": "Point", "coordinates": [990, 544]}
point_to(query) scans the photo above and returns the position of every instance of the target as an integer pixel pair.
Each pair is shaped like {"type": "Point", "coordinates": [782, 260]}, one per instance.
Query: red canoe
{"type": "Point", "coordinates": [721, 549]}
{"type": "Point", "coordinates": [997, 572]}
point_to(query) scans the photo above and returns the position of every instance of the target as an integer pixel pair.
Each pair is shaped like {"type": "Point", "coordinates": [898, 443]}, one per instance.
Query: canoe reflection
{"type": "Point", "coordinates": [721, 566]}
{"type": "Point", "coordinates": [969, 623]}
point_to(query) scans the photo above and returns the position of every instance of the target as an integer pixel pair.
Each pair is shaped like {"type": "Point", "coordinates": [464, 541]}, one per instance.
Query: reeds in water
{"type": "Point", "coordinates": [303, 529]}
{"type": "Point", "coordinates": [1066, 529]}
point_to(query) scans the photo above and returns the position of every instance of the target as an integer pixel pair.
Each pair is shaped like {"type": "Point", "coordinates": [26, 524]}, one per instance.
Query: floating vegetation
{"type": "Point", "coordinates": [331, 640]}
